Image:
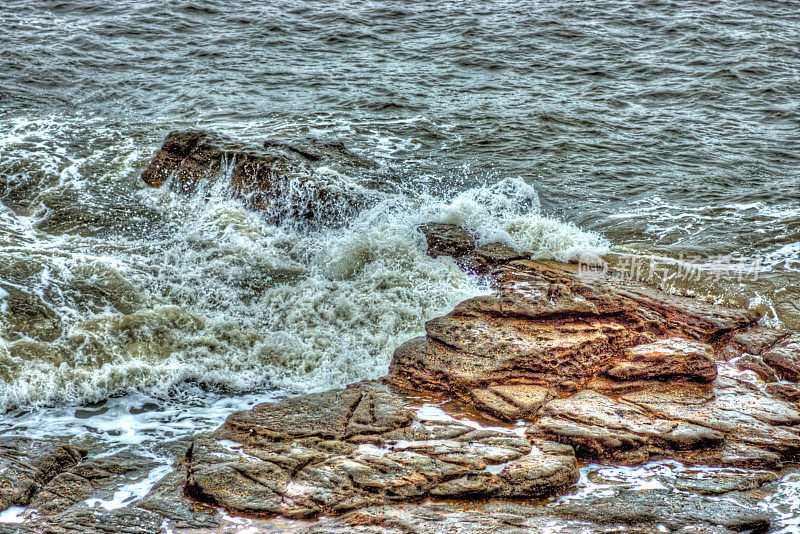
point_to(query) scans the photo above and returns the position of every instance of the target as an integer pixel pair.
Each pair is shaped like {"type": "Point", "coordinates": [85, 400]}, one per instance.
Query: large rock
{"type": "Point", "coordinates": [618, 370]}
{"type": "Point", "coordinates": [28, 466]}
{"type": "Point", "coordinates": [629, 512]}
{"type": "Point", "coordinates": [341, 450]}
{"type": "Point", "coordinates": [785, 358]}
{"type": "Point", "coordinates": [548, 328]}
{"type": "Point", "coordinates": [277, 177]}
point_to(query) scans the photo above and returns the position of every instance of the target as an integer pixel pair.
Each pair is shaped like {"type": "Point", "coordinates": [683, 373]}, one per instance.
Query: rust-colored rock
{"type": "Point", "coordinates": [784, 358]}
{"type": "Point", "coordinates": [621, 371]}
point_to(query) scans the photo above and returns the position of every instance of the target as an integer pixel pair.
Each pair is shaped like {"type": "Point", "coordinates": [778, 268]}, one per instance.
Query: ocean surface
{"type": "Point", "coordinates": [663, 135]}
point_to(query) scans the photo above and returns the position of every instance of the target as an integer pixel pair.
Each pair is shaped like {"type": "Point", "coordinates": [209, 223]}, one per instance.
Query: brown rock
{"type": "Point", "coordinates": [600, 427]}
{"type": "Point", "coordinates": [497, 253]}
{"type": "Point", "coordinates": [783, 391]}
{"type": "Point", "coordinates": [744, 414]}
{"type": "Point", "coordinates": [26, 468]}
{"type": "Point", "coordinates": [511, 402]}
{"type": "Point", "coordinates": [757, 340]}
{"type": "Point", "coordinates": [447, 239]}
{"type": "Point", "coordinates": [749, 362]}
{"type": "Point", "coordinates": [667, 360]}
{"type": "Point", "coordinates": [346, 449]}
{"type": "Point", "coordinates": [276, 177]}
{"type": "Point", "coordinates": [785, 358]}
{"type": "Point", "coordinates": [586, 340]}
{"type": "Point", "coordinates": [547, 328]}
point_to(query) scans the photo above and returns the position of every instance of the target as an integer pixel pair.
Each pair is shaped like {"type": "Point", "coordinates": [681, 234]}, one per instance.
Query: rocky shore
{"type": "Point", "coordinates": [481, 425]}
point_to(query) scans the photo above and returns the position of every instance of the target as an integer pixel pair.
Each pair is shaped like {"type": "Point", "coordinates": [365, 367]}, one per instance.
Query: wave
{"type": "Point", "coordinates": [205, 292]}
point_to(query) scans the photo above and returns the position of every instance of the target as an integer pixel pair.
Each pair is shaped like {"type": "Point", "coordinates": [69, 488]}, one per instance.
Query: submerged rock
{"type": "Point", "coordinates": [277, 177]}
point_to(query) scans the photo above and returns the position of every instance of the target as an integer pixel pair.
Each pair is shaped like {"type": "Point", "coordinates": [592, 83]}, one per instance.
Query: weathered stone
{"type": "Point", "coordinates": [626, 513]}
{"type": "Point", "coordinates": [88, 478]}
{"type": "Point", "coordinates": [340, 450]}
{"type": "Point", "coordinates": [666, 508]}
{"type": "Point", "coordinates": [27, 467]}
{"type": "Point", "coordinates": [783, 391]}
{"type": "Point", "coordinates": [167, 499]}
{"type": "Point", "coordinates": [744, 414]}
{"type": "Point", "coordinates": [666, 359]}
{"type": "Point", "coordinates": [749, 362]}
{"type": "Point", "coordinates": [758, 339]}
{"type": "Point", "coordinates": [600, 427]}
{"type": "Point", "coordinates": [496, 253]}
{"type": "Point", "coordinates": [277, 177]}
{"type": "Point", "coordinates": [434, 518]}
{"type": "Point", "coordinates": [544, 327]}
{"type": "Point", "coordinates": [447, 239]}
{"type": "Point", "coordinates": [511, 402]}
{"type": "Point", "coordinates": [315, 149]}
{"type": "Point", "coordinates": [785, 358]}
{"type": "Point", "coordinates": [126, 520]}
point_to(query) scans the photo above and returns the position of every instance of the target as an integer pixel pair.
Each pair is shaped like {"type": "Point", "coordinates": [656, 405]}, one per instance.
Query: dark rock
{"type": "Point", "coordinates": [314, 149]}
{"type": "Point", "coordinates": [88, 478]}
{"type": "Point", "coordinates": [447, 239]}
{"type": "Point", "coordinates": [627, 513]}
{"type": "Point", "coordinates": [97, 521]}
{"type": "Point", "coordinates": [665, 507]}
{"type": "Point", "coordinates": [27, 466]}
{"type": "Point", "coordinates": [168, 499]}
{"type": "Point", "coordinates": [274, 178]}
{"type": "Point", "coordinates": [497, 253]}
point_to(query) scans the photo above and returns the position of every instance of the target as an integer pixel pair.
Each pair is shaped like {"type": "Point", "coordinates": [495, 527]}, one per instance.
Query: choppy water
{"type": "Point", "coordinates": [665, 130]}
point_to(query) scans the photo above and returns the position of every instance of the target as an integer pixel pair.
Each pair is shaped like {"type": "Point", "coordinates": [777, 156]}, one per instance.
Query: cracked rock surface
{"type": "Point", "coordinates": [332, 452]}
{"type": "Point", "coordinates": [619, 371]}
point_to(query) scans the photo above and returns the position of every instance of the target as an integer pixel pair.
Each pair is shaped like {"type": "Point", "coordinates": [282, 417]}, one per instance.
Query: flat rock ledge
{"type": "Point", "coordinates": [341, 450]}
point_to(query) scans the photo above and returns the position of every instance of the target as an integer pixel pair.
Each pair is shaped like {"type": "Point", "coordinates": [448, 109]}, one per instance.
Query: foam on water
{"type": "Point", "coordinates": [129, 493]}
{"type": "Point", "coordinates": [201, 290]}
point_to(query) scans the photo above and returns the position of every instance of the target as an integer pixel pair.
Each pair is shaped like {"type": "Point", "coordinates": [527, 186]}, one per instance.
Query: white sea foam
{"type": "Point", "coordinates": [130, 493]}
{"type": "Point", "coordinates": [209, 292]}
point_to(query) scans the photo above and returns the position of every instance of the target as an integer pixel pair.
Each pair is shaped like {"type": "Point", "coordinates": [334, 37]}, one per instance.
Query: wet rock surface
{"type": "Point", "coordinates": [570, 368]}
{"type": "Point", "coordinates": [279, 177]}
{"type": "Point", "coordinates": [28, 467]}
{"type": "Point", "coordinates": [624, 372]}
{"type": "Point", "coordinates": [336, 451]}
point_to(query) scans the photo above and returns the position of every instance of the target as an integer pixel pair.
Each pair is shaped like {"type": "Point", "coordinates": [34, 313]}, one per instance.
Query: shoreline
{"type": "Point", "coordinates": [585, 371]}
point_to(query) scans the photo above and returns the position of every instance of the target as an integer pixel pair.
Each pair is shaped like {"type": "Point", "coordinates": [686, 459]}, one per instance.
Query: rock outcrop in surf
{"type": "Point", "coordinates": [620, 371]}
{"type": "Point", "coordinates": [551, 369]}
{"type": "Point", "coordinates": [279, 178]}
